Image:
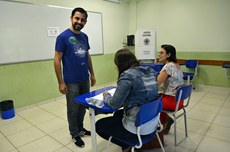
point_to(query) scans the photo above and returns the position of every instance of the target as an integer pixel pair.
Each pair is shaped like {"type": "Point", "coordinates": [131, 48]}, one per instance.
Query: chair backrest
{"type": "Point", "coordinates": [191, 64]}
{"type": "Point", "coordinates": [184, 92]}
{"type": "Point", "coordinates": [158, 67]}
{"type": "Point", "coordinates": [148, 111]}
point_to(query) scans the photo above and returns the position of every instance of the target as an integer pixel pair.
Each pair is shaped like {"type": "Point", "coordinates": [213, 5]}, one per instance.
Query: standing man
{"type": "Point", "coordinates": [72, 49]}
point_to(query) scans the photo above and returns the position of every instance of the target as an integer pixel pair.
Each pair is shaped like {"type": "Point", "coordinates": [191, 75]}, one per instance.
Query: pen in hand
{"type": "Point", "coordinates": [105, 92]}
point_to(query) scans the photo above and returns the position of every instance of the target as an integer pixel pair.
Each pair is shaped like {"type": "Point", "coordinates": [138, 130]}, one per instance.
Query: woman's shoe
{"type": "Point", "coordinates": [168, 126]}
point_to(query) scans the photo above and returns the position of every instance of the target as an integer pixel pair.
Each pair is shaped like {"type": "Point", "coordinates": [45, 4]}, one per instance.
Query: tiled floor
{"type": "Point", "coordinates": [43, 128]}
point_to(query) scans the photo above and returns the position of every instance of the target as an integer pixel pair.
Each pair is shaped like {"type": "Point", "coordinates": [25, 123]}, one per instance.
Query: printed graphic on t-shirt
{"type": "Point", "coordinates": [79, 47]}
{"type": "Point", "coordinates": [73, 40]}
{"type": "Point", "coordinates": [80, 50]}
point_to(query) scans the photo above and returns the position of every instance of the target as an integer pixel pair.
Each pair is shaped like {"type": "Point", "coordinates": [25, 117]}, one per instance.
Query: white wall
{"type": "Point", "coordinates": [190, 25]}
{"type": "Point", "coordinates": [197, 25]}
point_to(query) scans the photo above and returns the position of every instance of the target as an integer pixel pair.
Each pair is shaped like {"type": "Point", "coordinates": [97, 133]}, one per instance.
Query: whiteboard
{"type": "Point", "coordinates": [24, 31]}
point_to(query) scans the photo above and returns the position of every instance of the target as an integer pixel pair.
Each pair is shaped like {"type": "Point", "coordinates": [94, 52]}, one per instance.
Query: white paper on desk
{"type": "Point", "coordinates": [100, 96]}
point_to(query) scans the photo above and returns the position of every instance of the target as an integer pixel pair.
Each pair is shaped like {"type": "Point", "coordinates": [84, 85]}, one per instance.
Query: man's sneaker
{"type": "Point", "coordinates": [77, 140]}
{"type": "Point", "coordinates": [84, 132]}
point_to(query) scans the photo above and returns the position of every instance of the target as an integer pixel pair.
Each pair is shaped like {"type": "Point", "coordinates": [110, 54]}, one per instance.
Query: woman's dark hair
{"type": "Point", "coordinates": [125, 59]}
{"type": "Point", "coordinates": [170, 50]}
{"type": "Point", "coordinates": [81, 10]}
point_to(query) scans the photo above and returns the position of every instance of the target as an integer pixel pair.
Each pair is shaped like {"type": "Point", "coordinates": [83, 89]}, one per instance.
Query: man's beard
{"type": "Point", "coordinates": [77, 28]}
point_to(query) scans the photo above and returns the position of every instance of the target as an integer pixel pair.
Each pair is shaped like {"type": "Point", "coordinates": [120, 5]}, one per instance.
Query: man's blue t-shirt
{"type": "Point", "coordinates": [75, 49]}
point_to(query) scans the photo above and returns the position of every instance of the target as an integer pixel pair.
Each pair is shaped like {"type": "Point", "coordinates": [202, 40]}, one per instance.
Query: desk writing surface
{"type": "Point", "coordinates": [81, 99]}
{"type": "Point", "coordinates": [100, 96]}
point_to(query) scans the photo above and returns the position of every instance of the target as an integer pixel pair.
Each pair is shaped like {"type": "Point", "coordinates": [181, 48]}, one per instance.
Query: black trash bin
{"type": "Point", "coordinates": [7, 109]}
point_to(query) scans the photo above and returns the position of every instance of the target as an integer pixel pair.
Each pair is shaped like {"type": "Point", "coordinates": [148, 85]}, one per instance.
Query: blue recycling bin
{"type": "Point", "coordinates": [7, 109]}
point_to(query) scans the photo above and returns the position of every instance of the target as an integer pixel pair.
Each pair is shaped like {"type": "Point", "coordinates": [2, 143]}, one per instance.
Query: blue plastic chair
{"type": "Point", "coordinates": [157, 67]}
{"type": "Point", "coordinates": [226, 66]}
{"type": "Point", "coordinates": [146, 113]}
{"type": "Point", "coordinates": [191, 70]}
{"type": "Point", "coordinates": [183, 93]}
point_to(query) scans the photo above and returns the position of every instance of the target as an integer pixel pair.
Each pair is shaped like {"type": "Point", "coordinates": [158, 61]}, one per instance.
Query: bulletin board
{"type": "Point", "coordinates": [28, 32]}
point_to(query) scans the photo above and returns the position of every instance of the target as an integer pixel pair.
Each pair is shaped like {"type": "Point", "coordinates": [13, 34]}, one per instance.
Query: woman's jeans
{"type": "Point", "coordinates": [76, 111]}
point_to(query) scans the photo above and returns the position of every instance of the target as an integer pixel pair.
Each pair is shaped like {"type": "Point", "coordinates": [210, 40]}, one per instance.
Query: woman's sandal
{"type": "Point", "coordinates": [168, 126]}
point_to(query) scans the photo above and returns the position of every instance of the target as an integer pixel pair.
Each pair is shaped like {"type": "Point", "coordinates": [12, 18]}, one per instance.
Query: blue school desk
{"type": "Point", "coordinates": [105, 109]}
{"type": "Point", "coordinates": [226, 66]}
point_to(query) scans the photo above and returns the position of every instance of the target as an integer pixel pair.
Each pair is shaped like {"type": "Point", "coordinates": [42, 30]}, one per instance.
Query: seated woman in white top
{"type": "Point", "coordinates": [171, 78]}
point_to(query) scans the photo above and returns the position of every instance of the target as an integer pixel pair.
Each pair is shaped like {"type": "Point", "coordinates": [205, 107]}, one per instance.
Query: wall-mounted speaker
{"type": "Point", "coordinates": [130, 40]}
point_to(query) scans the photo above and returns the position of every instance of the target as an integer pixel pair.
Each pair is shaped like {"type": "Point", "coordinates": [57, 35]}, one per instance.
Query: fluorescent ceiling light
{"type": "Point", "coordinates": [113, 1]}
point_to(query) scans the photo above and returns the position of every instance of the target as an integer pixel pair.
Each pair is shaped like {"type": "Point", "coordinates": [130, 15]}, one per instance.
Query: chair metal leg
{"type": "Point", "coordinates": [108, 144]}
{"type": "Point", "coordinates": [132, 150]}
{"type": "Point", "coordinates": [162, 147]}
{"type": "Point", "coordinates": [185, 124]}
{"type": "Point", "coordinates": [175, 135]}
{"type": "Point", "coordinates": [188, 80]}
